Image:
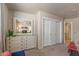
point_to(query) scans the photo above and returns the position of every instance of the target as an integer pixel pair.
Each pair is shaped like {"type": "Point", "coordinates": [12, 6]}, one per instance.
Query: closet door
{"type": "Point", "coordinates": [46, 31]}
{"type": "Point", "coordinates": [58, 32]}
{"type": "Point", "coordinates": [53, 32]}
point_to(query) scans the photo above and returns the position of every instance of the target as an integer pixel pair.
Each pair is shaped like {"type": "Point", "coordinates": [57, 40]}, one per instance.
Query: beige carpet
{"type": "Point", "coordinates": [54, 50]}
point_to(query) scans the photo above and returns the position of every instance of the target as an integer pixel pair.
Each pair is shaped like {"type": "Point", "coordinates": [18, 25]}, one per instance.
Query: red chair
{"type": "Point", "coordinates": [72, 47]}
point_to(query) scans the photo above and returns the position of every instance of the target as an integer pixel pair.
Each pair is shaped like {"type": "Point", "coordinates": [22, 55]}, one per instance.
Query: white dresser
{"type": "Point", "coordinates": [21, 42]}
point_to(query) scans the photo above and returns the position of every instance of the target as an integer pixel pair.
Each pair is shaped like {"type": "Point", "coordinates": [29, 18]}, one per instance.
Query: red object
{"type": "Point", "coordinates": [72, 47]}
{"type": "Point", "coordinates": [6, 53]}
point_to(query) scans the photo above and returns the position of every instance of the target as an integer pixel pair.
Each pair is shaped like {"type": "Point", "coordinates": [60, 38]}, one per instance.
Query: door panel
{"type": "Point", "coordinates": [58, 32]}
{"type": "Point", "coordinates": [53, 32]}
{"type": "Point", "coordinates": [67, 32]}
{"type": "Point", "coordinates": [46, 33]}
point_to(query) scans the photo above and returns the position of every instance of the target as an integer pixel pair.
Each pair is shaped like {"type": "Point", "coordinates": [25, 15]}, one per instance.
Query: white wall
{"type": "Point", "coordinates": [41, 14]}
{"type": "Point", "coordinates": [4, 23]}
{"type": "Point", "coordinates": [0, 32]}
{"type": "Point", "coordinates": [10, 20]}
{"type": "Point", "coordinates": [23, 15]}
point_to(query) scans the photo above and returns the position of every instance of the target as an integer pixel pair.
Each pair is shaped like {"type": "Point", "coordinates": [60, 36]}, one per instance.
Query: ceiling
{"type": "Point", "coordinates": [65, 10]}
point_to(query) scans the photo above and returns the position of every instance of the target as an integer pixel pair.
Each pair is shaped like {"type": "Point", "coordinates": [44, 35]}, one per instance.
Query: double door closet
{"type": "Point", "coordinates": [51, 31]}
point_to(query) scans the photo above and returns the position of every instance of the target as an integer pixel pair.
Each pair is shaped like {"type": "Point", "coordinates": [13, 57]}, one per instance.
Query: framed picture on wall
{"type": "Point", "coordinates": [23, 26]}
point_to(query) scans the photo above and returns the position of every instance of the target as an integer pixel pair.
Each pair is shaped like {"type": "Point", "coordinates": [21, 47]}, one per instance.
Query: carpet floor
{"type": "Point", "coordinates": [54, 50]}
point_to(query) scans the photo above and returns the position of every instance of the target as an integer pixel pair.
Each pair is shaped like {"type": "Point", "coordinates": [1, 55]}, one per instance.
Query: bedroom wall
{"type": "Point", "coordinates": [10, 20]}
{"type": "Point", "coordinates": [23, 15]}
{"type": "Point", "coordinates": [4, 23]}
{"type": "Point", "coordinates": [0, 32]}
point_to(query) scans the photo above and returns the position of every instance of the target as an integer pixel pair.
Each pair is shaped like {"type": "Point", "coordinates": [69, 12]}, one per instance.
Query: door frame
{"type": "Point", "coordinates": [71, 31]}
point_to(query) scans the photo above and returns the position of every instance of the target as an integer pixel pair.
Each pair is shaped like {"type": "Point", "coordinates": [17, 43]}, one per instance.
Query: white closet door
{"type": "Point", "coordinates": [58, 32]}
{"type": "Point", "coordinates": [49, 32]}
{"type": "Point", "coordinates": [53, 32]}
{"type": "Point", "coordinates": [46, 33]}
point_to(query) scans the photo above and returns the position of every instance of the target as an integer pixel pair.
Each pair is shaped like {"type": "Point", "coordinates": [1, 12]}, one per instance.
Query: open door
{"type": "Point", "coordinates": [67, 32]}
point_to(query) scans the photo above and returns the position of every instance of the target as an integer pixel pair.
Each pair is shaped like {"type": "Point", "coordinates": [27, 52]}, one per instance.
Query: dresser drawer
{"type": "Point", "coordinates": [20, 43]}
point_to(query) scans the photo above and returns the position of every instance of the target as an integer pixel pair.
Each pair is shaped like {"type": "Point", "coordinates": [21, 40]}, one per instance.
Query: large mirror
{"type": "Point", "coordinates": [23, 26]}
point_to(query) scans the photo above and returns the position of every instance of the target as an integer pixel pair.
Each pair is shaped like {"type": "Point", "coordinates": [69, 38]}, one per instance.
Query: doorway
{"type": "Point", "coordinates": [67, 32]}
{"type": "Point", "coordinates": [51, 32]}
